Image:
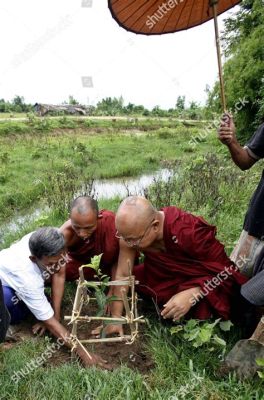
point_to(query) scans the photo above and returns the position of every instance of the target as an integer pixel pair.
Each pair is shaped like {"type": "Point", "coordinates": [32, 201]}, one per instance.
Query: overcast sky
{"type": "Point", "coordinates": [55, 48]}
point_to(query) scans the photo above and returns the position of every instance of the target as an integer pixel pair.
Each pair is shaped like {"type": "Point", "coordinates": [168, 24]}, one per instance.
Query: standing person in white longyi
{"type": "Point", "coordinates": [23, 269]}
{"type": "Point", "coordinates": [251, 241]}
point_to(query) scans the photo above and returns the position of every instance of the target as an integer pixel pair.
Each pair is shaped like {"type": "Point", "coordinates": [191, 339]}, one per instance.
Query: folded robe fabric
{"type": "Point", "coordinates": [193, 257]}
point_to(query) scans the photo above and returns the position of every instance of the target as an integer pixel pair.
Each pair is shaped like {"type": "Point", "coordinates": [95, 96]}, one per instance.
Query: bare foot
{"type": "Point", "coordinates": [109, 330]}
{"type": "Point", "coordinates": [97, 331]}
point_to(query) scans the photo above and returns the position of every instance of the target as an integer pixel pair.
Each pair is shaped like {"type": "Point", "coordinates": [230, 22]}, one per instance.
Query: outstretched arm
{"type": "Point", "coordinates": [227, 135]}
{"type": "Point", "coordinates": [126, 261]}
{"type": "Point", "coordinates": [57, 291]}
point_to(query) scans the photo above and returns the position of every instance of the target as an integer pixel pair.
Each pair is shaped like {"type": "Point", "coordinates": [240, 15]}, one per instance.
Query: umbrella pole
{"type": "Point", "coordinates": [213, 4]}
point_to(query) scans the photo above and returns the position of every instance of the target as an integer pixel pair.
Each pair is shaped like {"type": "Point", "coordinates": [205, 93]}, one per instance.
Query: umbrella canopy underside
{"type": "Point", "coordinates": [154, 17]}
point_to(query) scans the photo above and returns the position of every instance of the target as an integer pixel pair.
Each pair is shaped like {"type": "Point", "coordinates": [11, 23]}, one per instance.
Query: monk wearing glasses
{"type": "Point", "coordinates": [185, 270]}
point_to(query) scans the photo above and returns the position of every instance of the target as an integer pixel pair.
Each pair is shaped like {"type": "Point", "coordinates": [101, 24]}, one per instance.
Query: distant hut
{"type": "Point", "coordinates": [44, 109]}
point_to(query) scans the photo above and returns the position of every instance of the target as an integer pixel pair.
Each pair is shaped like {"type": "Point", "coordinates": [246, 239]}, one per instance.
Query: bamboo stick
{"type": "Point", "coordinates": [126, 304]}
{"type": "Point", "coordinates": [132, 294]}
{"type": "Point", "coordinates": [130, 305]}
{"type": "Point", "coordinates": [79, 342]}
{"type": "Point", "coordinates": [136, 314]}
{"type": "Point", "coordinates": [118, 299]}
{"type": "Point", "coordinates": [76, 309]}
{"type": "Point", "coordinates": [88, 319]}
{"type": "Point", "coordinates": [111, 283]}
{"type": "Point", "coordinates": [81, 274]}
{"type": "Point", "coordinates": [108, 340]}
{"type": "Point", "coordinates": [213, 4]}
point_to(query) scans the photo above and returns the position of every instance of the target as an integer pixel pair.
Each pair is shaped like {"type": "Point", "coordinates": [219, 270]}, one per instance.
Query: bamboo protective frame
{"type": "Point", "coordinates": [131, 317]}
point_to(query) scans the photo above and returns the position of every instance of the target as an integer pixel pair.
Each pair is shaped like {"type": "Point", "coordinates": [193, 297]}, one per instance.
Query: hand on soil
{"type": "Point", "coordinates": [109, 330]}
{"type": "Point", "coordinates": [39, 329]}
{"type": "Point", "coordinates": [95, 360]}
{"type": "Point", "coordinates": [178, 305]}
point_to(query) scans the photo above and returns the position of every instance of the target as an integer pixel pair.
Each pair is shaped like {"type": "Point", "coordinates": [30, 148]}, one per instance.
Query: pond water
{"type": "Point", "coordinates": [109, 188]}
{"type": "Point", "coordinates": [103, 189]}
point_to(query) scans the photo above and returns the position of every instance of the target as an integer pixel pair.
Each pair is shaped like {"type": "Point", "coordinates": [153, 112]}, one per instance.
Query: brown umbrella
{"type": "Point", "coordinates": [156, 17]}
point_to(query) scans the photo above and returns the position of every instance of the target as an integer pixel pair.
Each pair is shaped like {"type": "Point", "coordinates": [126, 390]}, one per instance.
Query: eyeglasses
{"type": "Point", "coordinates": [135, 242]}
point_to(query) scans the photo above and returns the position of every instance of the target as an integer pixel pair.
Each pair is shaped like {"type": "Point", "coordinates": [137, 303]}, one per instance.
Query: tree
{"type": "Point", "coordinates": [244, 68]}
{"type": "Point", "coordinates": [180, 103]}
{"type": "Point", "coordinates": [110, 106]}
{"type": "Point", "coordinates": [194, 111]}
{"type": "Point", "coordinates": [2, 105]}
{"type": "Point", "coordinates": [158, 112]}
{"type": "Point", "coordinates": [18, 103]}
{"type": "Point", "coordinates": [72, 101]}
{"type": "Point", "coordinates": [129, 109]}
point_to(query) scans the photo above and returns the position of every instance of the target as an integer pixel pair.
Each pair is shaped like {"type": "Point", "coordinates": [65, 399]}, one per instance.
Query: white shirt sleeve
{"type": "Point", "coordinates": [24, 277]}
{"type": "Point", "coordinates": [37, 302]}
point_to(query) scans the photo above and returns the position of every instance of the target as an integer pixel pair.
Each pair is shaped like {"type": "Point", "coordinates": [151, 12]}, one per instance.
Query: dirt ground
{"type": "Point", "coordinates": [134, 356]}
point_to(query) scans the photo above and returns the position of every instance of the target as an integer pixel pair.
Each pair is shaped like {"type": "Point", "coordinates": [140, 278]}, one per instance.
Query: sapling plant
{"type": "Point", "coordinates": [102, 298]}
{"type": "Point", "coordinates": [102, 282]}
{"type": "Point", "coordinates": [201, 333]}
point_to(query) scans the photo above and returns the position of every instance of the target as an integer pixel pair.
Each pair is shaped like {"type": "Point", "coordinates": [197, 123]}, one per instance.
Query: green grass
{"type": "Point", "coordinates": [12, 115]}
{"type": "Point", "coordinates": [173, 375]}
{"type": "Point", "coordinates": [32, 152]}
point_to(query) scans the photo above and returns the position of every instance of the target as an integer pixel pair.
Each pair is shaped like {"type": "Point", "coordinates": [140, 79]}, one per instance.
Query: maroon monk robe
{"type": "Point", "coordinates": [103, 240]}
{"type": "Point", "coordinates": [193, 257]}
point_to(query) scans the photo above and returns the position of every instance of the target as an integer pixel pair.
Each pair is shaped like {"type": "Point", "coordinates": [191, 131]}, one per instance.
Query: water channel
{"type": "Point", "coordinates": [103, 189]}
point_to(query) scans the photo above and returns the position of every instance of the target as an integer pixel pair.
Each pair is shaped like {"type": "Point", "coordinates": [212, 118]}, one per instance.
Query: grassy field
{"type": "Point", "coordinates": [37, 156]}
{"type": "Point", "coordinates": [33, 152]}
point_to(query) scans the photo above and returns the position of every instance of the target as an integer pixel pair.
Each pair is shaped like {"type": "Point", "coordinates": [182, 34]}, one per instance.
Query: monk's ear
{"type": "Point", "coordinates": [33, 259]}
{"type": "Point", "coordinates": [155, 224]}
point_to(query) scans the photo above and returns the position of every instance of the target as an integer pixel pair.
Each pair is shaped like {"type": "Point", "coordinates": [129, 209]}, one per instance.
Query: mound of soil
{"type": "Point", "coordinates": [134, 356]}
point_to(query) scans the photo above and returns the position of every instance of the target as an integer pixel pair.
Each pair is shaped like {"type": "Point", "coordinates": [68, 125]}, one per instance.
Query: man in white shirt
{"type": "Point", "coordinates": [24, 267]}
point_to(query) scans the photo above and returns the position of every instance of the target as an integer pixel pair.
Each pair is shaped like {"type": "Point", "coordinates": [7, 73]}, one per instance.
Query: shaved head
{"type": "Point", "coordinates": [84, 205]}
{"type": "Point", "coordinates": [84, 215]}
{"type": "Point", "coordinates": [133, 214]}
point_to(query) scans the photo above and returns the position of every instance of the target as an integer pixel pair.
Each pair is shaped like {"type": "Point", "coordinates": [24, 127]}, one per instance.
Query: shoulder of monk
{"type": "Point", "coordinates": [171, 213]}
{"type": "Point", "coordinates": [107, 215]}
{"type": "Point", "coordinates": [179, 224]}
{"type": "Point", "coordinates": [70, 236]}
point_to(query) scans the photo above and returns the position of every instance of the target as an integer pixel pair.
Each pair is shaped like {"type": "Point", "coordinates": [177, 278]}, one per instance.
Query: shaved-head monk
{"type": "Point", "coordinates": [87, 233]}
{"type": "Point", "coordinates": [185, 269]}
